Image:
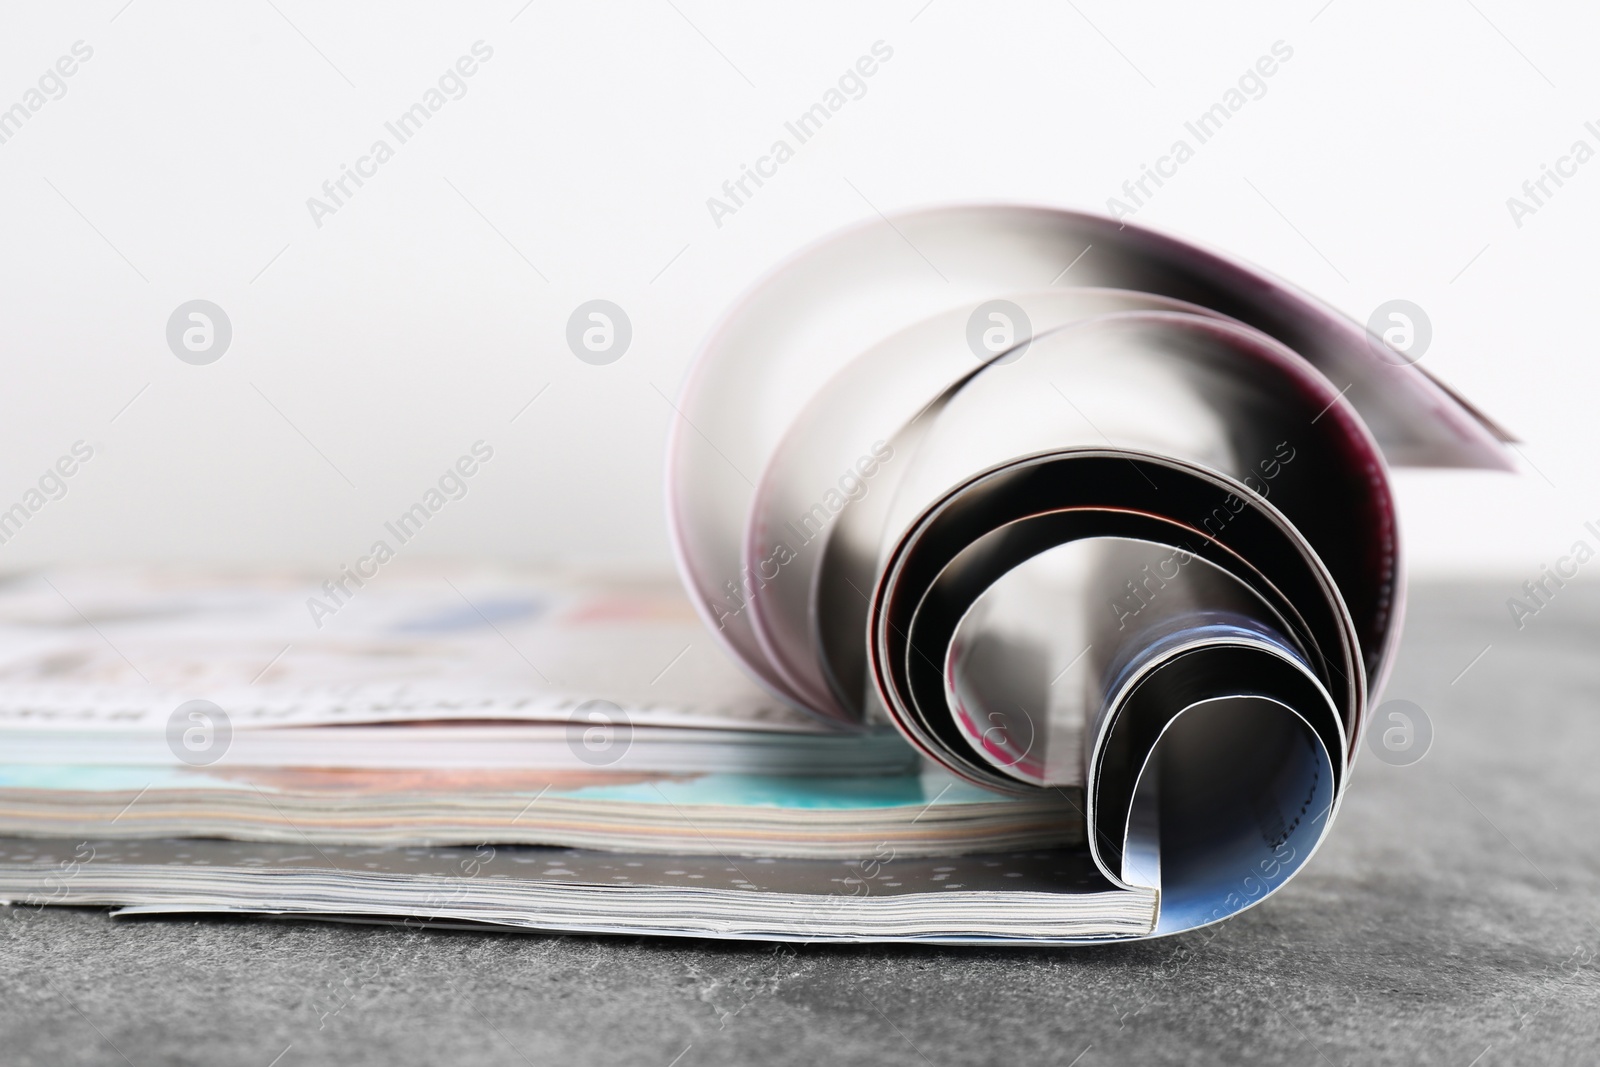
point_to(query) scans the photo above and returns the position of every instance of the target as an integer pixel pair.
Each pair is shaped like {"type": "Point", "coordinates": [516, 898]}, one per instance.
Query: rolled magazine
{"type": "Point", "coordinates": [1076, 507]}
{"type": "Point", "coordinates": [1064, 551]}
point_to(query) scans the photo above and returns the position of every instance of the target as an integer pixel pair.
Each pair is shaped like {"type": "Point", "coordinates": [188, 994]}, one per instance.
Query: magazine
{"type": "Point", "coordinates": [1095, 522]}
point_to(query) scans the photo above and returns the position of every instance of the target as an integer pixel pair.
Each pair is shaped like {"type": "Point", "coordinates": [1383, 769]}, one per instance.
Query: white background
{"type": "Point", "coordinates": [371, 352]}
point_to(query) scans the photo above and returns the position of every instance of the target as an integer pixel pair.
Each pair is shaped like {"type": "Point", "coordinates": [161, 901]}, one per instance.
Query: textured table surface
{"type": "Point", "coordinates": [1452, 918]}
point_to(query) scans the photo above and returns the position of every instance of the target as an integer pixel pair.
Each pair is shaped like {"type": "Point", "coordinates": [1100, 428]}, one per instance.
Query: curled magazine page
{"type": "Point", "coordinates": [1080, 509]}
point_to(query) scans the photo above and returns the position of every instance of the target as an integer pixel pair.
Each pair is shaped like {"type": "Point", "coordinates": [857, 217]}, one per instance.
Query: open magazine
{"type": "Point", "coordinates": [1063, 554]}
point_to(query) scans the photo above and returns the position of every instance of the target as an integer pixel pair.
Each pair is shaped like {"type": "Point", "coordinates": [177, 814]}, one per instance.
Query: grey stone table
{"type": "Point", "coordinates": [1452, 918]}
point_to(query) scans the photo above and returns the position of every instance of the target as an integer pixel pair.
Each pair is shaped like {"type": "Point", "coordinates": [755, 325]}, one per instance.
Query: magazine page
{"type": "Point", "coordinates": [1132, 533]}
